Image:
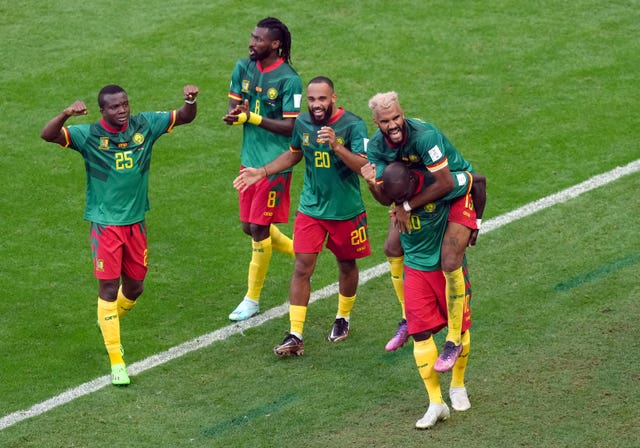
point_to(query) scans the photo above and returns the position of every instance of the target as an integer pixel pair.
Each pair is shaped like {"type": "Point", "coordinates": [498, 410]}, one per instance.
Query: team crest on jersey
{"type": "Point", "coordinates": [138, 138]}
{"type": "Point", "coordinates": [430, 207]}
{"type": "Point", "coordinates": [245, 85]}
{"type": "Point", "coordinates": [272, 93]}
{"type": "Point", "coordinates": [99, 264]}
{"type": "Point", "coordinates": [305, 139]}
{"type": "Point", "coordinates": [413, 158]}
{"type": "Point", "coordinates": [340, 140]}
{"type": "Point", "coordinates": [104, 142]}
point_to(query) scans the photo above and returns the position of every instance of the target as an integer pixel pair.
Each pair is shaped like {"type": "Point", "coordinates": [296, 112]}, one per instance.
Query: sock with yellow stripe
{"type": "Point", "coordinates": [260, 259]}
{"type": "Point", "coordinates": [345, 305]}
{"type": "Point", "coordinates": [455, 304]}
{"type": "Point", "coordinates": [110, 327]}
{"type": "Point", "coordinates": [425, 354]}
{"type": "Point", "coordinates": [396, 268]}
{"type": "Point", "coordinates": [124, 304]}
{"type": "Point", "coordinates": [281, 242]}
{"type": "Point", "coordinates": [459, 368]}
{"type": "Point", "coordinates": [297, 316]}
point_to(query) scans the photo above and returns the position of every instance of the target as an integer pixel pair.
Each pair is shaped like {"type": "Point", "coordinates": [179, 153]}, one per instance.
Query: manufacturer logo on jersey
{"type": "Point", "coordinates": [245, 85]}
{"type": "Point", "coordinates": [138, 138]}
{"type": "Point", "coordinates": [104, 142]}
{"type": "Point", "coordinates": [272, 93]}
{"type": "Point", "coordinates": [305, 139]}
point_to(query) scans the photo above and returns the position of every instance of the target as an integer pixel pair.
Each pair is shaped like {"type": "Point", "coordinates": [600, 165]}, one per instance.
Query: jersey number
{"type": "Point", "coordinates": [414, 222]}
{"type": "Point", "coordinates": [359, 236]}
{"type": "Point", "coordinates": [323, 160]}
{"type": "Point", "coordinates": [271, 200]}
{"type": "Point", "coordinates": [124, 160]}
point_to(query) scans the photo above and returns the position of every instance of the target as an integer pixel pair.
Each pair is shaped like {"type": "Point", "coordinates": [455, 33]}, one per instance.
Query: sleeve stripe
{"type": "Point", "coordinates": [67, 137]}
{"type": "Point", "coordinates": [438, 166]}
{"type": "Point", "coordinates": [174, 115]}
{"type": "Point", "coordinates": [235, 96]}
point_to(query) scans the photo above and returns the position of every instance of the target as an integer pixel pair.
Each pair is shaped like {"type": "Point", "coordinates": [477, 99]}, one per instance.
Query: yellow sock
{"type": "Point", "coordinates": [260, 259]}
{"type": "Point", "coordinates": [345, 305]}
{"type": "Point", "coordinates": [426, 354]}
{"type": "Point", "coordinates": [110, 327]}
{"type": "Point", "coordinates": [397, 279]}
{"type": "Point", "coordinates": [459, 368]}
{"type": "Point", "coordinates": [124, 304]}
{"type": "Point", "coordinates": [455, 304]}
{"type": "Point", "coordinates": [297, 316]}
{"type": "Point", "coordinates": [281, 242]}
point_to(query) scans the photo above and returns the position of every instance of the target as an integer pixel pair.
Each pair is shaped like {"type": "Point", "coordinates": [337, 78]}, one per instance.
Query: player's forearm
{"type": "Point", "coordinates": [52, 131]}
{"type": "Point", "coordinates": [354, 161]}
{"type": "Point", "coordinates": [282, 162]}
{"type": "Point", "coordinates": [282, 127]}
{"type": "Point", "coordinates": [432, 193]}
{"type": "Point", "coordinates": [187, 113]}
{"type": "Point", "coordinates": [378, 194]}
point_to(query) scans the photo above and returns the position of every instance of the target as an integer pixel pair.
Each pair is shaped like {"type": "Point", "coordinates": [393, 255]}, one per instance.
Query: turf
{"type": "Point", "coordinates": [538, 95]}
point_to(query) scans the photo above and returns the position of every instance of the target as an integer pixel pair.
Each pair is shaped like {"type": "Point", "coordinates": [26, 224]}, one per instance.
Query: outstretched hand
{"type": "Point", "coordinates": [247, 177]}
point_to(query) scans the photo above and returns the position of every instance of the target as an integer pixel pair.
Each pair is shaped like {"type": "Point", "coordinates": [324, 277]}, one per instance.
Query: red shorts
{"type": "Point", "coordinates": [266, 201]}
{"type": "Point", "coordinates": [425, 301]}
{"type": "Point", "coordinates": [347, 239]}
{"type": "Point", "coordinates": [119, 250]}
{"type": "Point", "coordinates": [463, 212]}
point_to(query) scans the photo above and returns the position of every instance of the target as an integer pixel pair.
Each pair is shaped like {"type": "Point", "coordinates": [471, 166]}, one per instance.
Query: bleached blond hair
{"type": "Point", "coordinates": [383, 101]}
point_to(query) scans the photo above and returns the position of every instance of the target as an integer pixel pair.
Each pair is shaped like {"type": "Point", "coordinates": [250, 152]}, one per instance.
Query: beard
{"type": "Point", "coordinates": [325, 118]}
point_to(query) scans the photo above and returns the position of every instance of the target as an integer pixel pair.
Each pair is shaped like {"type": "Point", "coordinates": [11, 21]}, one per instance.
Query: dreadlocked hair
{"type": "Point", "coordinates": [278, 31]}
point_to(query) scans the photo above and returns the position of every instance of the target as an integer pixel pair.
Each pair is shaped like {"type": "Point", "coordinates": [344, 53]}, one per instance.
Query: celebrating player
{"type": "Point", "coordinates": [264, 98]}
{"type": "Point", "coordinates": [422, 146]}
{"type": "Point", "coordinates": [332, 142]}
{"type": "Point", "coordinates": [117, 153]}
{"type": "Point", "coordinates": [424, 286]}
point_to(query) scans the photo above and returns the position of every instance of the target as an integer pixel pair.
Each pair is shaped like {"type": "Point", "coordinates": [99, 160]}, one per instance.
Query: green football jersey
{"type": "Point", "coordinates": [273, 92]}
{"type": "Point", "coordinates": [331, 190]}
{"type": "Point", "coordinates": [422, 246]}
{"type": "Point", "coordinates": [425, 148]}
{"type": "Point", "coordinates": [117, 166]}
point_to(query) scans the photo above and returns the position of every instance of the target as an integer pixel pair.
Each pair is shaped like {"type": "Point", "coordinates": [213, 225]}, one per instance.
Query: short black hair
{"type": "Point", "coordinates": [108, 90]}
{"type": "Point", "coordinates": [322, 80]}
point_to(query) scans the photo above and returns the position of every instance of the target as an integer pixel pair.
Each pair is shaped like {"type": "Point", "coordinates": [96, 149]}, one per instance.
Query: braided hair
{"type": "Point", "coordinates": [278, 31]}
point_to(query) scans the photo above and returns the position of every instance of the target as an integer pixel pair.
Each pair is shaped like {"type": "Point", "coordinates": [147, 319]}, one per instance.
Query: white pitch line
{"type": "Point", "coordinates": [279, 311]}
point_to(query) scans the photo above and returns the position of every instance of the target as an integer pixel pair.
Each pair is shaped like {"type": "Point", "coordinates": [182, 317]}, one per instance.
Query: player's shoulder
{"type": "Point", "coordinates": [349, 116]}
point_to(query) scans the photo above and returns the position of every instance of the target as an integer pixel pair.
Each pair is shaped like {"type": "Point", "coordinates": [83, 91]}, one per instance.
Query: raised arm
{"type": "Point", "coordinates": [52, 131]}
{"type": "Point", "coordinates": [187, 113]}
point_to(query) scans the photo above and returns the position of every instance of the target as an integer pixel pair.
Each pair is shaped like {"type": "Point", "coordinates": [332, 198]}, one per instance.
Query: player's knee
{"type": "Point", "coordinates": [393, 248]}
{"type": "Point", "coordinates": [258, 232]}
{"type": "Point", "coordinates": [421, 336]}
{"type": "Point", "coordinates": [108, 289]}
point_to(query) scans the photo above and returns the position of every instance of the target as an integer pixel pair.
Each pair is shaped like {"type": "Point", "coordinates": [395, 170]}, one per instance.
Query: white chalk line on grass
{"type": "Point", "coordinates": [279, 311]}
